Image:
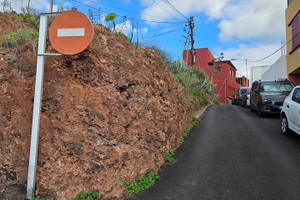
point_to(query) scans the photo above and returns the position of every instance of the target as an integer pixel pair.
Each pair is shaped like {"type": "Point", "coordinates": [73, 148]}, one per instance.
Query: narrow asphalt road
{"type": "Point", "coordinates": [232, 154]}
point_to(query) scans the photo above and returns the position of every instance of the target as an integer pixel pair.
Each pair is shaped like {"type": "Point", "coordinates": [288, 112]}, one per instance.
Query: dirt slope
{"type": "Point", "coordinates": [107, 113]}
{"type": "Point", "coordinates": [9, 24]}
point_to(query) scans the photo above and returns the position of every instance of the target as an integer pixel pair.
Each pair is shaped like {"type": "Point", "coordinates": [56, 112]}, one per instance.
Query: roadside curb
{"type": "Point", "coordinates": [199, 114]}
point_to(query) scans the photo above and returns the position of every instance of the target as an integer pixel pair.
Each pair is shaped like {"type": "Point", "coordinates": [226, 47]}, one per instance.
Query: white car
{"type": "Point", "coordinates": [290, 113]}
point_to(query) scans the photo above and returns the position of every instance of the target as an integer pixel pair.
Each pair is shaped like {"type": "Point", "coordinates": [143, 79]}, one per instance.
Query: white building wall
{"type": "Point", "coordinates": [277, 70]}
{"type": "Point", "coordinates": [257, 72]}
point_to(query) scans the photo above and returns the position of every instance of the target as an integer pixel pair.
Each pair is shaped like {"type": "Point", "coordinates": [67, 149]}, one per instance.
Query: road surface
{"type": "Point", "coordinates": [232, 154]}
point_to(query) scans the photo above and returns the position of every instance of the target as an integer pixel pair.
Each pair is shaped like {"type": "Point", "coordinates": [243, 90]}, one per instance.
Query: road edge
{"type": "Point", "coordinates": [199, 114]}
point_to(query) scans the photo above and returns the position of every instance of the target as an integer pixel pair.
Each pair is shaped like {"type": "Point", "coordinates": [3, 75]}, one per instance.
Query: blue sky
{"type": "Point", "coordinates": [241, 29]}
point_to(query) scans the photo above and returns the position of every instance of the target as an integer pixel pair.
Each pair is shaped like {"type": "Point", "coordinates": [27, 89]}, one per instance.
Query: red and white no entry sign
{"type": "Point", "coordinates": [71, 32]}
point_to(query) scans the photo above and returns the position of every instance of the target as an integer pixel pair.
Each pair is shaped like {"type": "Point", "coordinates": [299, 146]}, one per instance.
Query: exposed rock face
{"type": "Point", "coordinates": [107, 113]}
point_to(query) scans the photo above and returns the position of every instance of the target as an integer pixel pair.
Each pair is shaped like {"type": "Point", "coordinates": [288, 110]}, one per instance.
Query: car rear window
{"type": "Point", "coordinates": [277, 87]}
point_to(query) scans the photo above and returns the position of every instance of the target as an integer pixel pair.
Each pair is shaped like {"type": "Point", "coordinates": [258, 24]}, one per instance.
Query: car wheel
{"type": "Point", "coordinates": [251, 108]}
{"type": "Point", "coordinates": [284, 126]}
{"type": "Point", "coordinates": [260, 111]}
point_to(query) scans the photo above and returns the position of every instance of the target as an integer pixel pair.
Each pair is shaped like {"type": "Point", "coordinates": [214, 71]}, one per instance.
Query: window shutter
{"type": "Point", "coordinates": [295, 31]}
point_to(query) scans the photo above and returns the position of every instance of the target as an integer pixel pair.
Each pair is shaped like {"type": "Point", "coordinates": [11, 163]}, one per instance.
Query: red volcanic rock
{"type": "Point", "coordinates": [107, 113]}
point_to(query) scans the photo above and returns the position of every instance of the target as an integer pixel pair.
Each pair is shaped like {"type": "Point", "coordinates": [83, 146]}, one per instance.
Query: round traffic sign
{"type": "Point", "coordinates": [71, 32]}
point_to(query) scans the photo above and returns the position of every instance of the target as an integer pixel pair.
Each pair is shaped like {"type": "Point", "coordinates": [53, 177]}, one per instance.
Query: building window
{"type": "Point", "coordinates": [217, 70]}
{"type": "Point", "coordinates": [296, 31]}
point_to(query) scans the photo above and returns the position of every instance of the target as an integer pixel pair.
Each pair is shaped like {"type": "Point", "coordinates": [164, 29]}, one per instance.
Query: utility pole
{"type": "Point", "coordinates": [246, 68]}
{"type": "Point", "coordinates": [28, 7]}
{"type": "Point", "coordinates": [191, 26]}
{"type": "Point", "coordinates": [137, 34]}
{"type": "Point", "coordinates": [51, 6]}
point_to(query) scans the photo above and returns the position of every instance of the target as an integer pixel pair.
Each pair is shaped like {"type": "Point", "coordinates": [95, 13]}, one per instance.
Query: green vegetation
{"type": "Point", "coordinates": [20, 37]}
{"type": "Point", "coordinates": [218, 102]}
{"type": "Point", "coordinates": [20, 18]}
{"type": "Point", "coordinates": [90, 195]}
{"type": "Point", "coordinates": [169, 156]}
{"type": "Point", "coordinates": [111, 17]}
{"type": "Point", "coordinates": [39, 198]}
{"type": "Point", "coordinates": [124, 36]}
{"type": "Point", "coordinates": [194, 80]}
{"type": "Point", "coordinates": [141, 183]}
{"type": "Point", "coordinates": [188, 130]}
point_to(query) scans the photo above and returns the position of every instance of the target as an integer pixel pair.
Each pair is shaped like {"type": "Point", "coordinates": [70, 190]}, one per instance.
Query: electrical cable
{"type": "Point", "coordinates": [275, 51]}
{"type": "Point", "coordinates": [241, 65]}
{"type": "Point", "coordinates": [164, 9]}
{"type": "Point", "coordinates": [161, 33]}
{"type": "Point", "coordinates": [164, 28]}
{"type": "Point", "coordinates": [168, 3]}
{"type": "Point", "coordinates": [152, 21]}
{"type": "Point", "coordinates": [39, 3]}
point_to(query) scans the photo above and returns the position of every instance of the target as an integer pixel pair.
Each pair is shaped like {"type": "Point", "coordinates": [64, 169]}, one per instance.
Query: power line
{"type": "Point", "coordinates": [164, 28]}
{"type": "Point", "coordinates": [168, 3]}
{"type": "Point", "coordinates": [276, 50]}
{"type": "Point", "coordinates": [162, 33]}
{"type": "Point", "coordinates": [163, 8]}
{"type": "Point", "coordinates": [152, 21]}
{"type": "Point", "coordinates": [39, 3]}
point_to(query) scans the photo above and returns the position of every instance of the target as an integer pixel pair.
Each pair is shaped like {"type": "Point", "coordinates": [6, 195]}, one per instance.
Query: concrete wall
{"type": "Point", "coordinates": [257, 72]}
{"type": "Point", "coordinates": [277, 70]}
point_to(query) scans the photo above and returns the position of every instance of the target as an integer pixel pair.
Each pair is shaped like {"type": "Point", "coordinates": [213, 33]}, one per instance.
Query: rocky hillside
{"type": "Point", "coordinates": [9, 24]}
{"type": "Point", "coordinates": [107, 113]}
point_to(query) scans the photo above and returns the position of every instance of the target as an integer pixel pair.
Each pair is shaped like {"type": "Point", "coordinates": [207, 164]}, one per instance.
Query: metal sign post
{"type": "Point", "coordinates": [70, 33]}
{"type": "Point", "coordinates": [37, 108]}
{"type": "Point", "coordinates": [37, 105]}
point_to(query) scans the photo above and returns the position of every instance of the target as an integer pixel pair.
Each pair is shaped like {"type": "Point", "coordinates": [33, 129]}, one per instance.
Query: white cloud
{"type": "Point", "coordinates": [144, 30]}
{"type": "Point", "coordinates": [124, 27]}
{"type": "Point", "coordinates": [211, 8]}
{"type": "Point", "coordinates": [40, 5]}
{"type": "Point", "coordinates": [238, 19]}
{"type": "Point", "coordinates": [264, 20]}
{"type": "Point", "coordinates": [251, 53]}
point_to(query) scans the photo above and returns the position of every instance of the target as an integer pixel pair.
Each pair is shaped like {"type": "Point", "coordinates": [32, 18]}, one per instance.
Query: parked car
{"type": "Point", "coordinates": [268, 96]}
{"type": "Point", "coordinates": [290, 113]}
{"type": "Point", "coordinates": [246, 98]}
{"type": "Point", "coordinates": [234, 99]}
{"type": "Point", "coordinates": [239, 94]}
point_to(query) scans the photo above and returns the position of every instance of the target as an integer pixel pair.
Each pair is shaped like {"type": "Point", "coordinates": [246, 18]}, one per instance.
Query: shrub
{"type": "Point", "coordinates": [165, 56]}
{"type": "Point", "coordinates": [90, 195]}
{"type": "Point", "coordinates": [20, 37]}
{"type": "Point", "coordinates": [169, 156]}
{"type": "Point", "coordinates": [20, 18]}
{"type": "Point", "coordinates": [217, 102]}
{"type": "Point", "coordinates": [29, 17]}
{"type": "Point", "coordinates": [141, 183]}
{"type": "Point", "coordinates": [124, 36]}
{"type": "Point", "coordinates": [39, 198]}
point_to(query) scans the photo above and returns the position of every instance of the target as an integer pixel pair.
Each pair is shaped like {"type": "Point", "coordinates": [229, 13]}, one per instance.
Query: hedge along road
{"type": "Point", "coordinates": [232, 154]}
